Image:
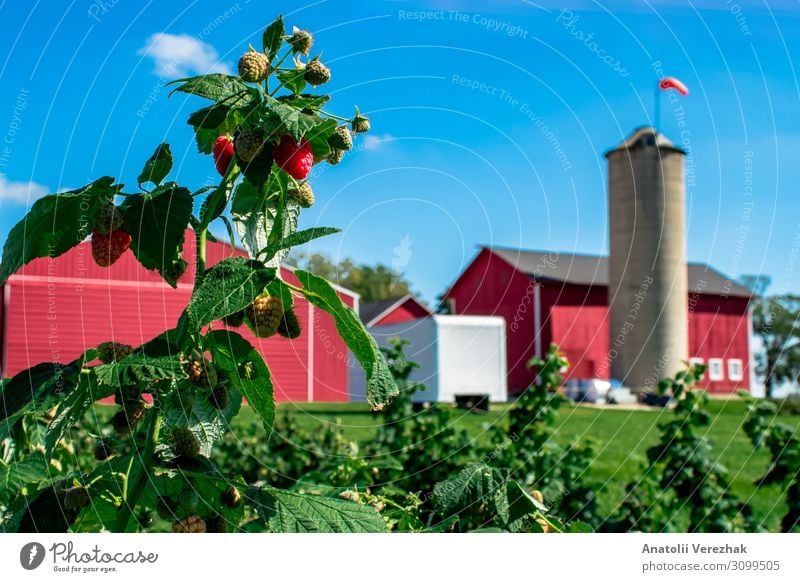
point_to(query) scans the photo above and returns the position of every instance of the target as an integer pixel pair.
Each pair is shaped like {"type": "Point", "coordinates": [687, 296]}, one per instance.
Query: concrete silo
{"type": "Point", "coordinates": [648, 290]}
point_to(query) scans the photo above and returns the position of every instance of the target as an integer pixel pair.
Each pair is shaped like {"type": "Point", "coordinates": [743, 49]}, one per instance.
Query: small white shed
{"type": "Point", "coordinates": [457, 354]}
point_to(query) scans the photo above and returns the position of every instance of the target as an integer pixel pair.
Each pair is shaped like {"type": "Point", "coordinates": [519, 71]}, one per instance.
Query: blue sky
{"type": "Point", "coordinates": [489, 118]}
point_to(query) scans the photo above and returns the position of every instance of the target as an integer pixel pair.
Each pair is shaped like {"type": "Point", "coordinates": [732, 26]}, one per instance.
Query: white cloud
{"type": "Point", "coordinates": [376, 141]}
{"type": "Point", "coordinates": [181, 55]}
{"type": "Point", "coordinates": [21, 192]}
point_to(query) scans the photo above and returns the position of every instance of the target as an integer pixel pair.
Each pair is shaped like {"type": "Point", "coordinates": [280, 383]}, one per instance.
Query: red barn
{"type": "Point", "coordinates": [551, 297]}
{"type": "Point", "coordinates": [393, 310]}
{"type": "Point", "coordinates": [54, 309]}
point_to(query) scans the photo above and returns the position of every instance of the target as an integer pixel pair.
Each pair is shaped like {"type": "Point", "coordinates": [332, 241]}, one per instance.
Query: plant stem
{"type": "Point", "coordinates": [136, 479]}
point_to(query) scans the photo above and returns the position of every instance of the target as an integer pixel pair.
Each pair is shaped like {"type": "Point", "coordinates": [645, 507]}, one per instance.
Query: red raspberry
{"type": "Point", "coordinates": [108, 248]}
{"type": "Point", "coordinates": [295, 160]}
{"type": "Point", "coordinates": [223, 152]}
{"type": "Point", "coordinates": [191, 524]}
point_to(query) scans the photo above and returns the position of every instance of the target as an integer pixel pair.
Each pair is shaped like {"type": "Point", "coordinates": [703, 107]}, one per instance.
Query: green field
{"type": "Point", "coordinates": [622, 437]}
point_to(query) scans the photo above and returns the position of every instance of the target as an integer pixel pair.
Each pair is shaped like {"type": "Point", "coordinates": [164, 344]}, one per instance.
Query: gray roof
{"type": "Point", "coordinates": [369, 310]}
{"type": "Point", "coordinates": [593, 270]}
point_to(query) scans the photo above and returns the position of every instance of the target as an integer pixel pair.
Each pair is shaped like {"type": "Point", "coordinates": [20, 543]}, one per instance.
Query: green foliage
{"type": "Point", "coordinates": [227, 287]}
{"type": "Point", "coordinates": [783, 445]}
{"type": "Point", "coordinates": [157, 167]}
{"type": "Point", "coordinates": [55, 224]}
{"type": "Point", "coordinates": [776, 321]}
{"type": "Point", "coordinates": [380, 385]}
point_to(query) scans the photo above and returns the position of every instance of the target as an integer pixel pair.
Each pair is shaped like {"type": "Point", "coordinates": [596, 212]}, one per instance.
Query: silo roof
{"type": "Point", "coordinates": [645, 136]}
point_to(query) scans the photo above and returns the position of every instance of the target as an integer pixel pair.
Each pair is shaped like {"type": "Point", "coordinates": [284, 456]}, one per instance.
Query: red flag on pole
{"type": "Point", "coordinates": [668, 83]}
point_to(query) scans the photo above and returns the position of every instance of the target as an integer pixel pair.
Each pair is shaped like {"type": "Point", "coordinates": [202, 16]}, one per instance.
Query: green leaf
{"type": "Point", "coordinates": [290, 512]}
{"type": "Point", "coordinates": [157, 167]}
{"type": "Point", "coordinates": [157, 222]}
{"type": "Point", "coordinates": [465, 492]}
{"type": "Point", "coordinates": [520, 503]}
{"type": "Point", "coordinates": [318, 136]}
{"type": "Point", "coordinates": [38, 388]}
{"type": "Point", "coordinates": [306, 101]}
{"type": "Point", "coordinates": [205, 139]}
{"type": "Point", "coordinates": [258, 169]}
{"type": "Point", "coordinates": [208, 423]}
{"type": "Point", "coordinates": [247, 372]}
{"type": "Point", "coordinates": [294, 81]}
{"type": "Point", "coordinates": [381, 388]}
{"type": "Point", "coordinates": [247, 211]}
{"type": "Point", "coordinates": [227, 287]}
{"type": "Point", "coordinates": [296, 122]}
{"type": "Point", "coordinates": [139, 369]}
{"type": "Point", "coordinates": [272, 37]}
{"type": "Point", "coordinates": [210, 117]}
{"type": "Point", "coordinates": [224, 89]}
{"type": "Point", "coordinates": [72, 410]}
{"type": "Point", "coordinates": [299, 238]}
{"type": "Point", "coordinates": [15, 476]}
{"type": "Point", "coordinates": [55, 224]}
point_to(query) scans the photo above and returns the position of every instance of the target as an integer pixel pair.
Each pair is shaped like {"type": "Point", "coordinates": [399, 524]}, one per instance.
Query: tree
{"type": "Point", "coordinates": [776, 322]}
{"type": "Point", "coordinates": [372, 282]}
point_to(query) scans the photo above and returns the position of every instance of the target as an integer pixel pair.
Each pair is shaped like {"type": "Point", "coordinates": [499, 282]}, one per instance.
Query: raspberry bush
{"type": "Point", "coordinates": [177, 393]}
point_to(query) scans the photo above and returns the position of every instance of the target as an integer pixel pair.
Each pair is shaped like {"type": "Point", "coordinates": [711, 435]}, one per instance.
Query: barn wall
{"type": "Point", "coordinates": [575, 317]}
{"type": "Point", "coordinates": [60, 307]}
{"type": "Point", "coordinates": [490, 286]}
{"type": "Point", "coordinates": [407, 311]}
{"type": "Point", "coordinates": [718, 328]}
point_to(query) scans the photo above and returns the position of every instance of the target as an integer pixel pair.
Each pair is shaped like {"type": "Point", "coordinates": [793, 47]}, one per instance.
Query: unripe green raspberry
{"type": "Point", "coordinates": [253, 67]}
{"type": "Point", "coordinates": [234, 319]}
{"type": "Point", "coordinates": [102, 450]}
{"type": "Point", "coordinates": [360, 124]}
{"type": "Point", "coordinates": [265, 315]}
{"type": "Point", "coordinates": [303, 195]}
{"type": "Point", "coordinates": [184, 442]}
{"type": "Point", "coordinates": [248, 144]}
{"type": "Point", "coordinates": [335, 157]}
{"type": "Point", "coordinates": [341, 139]}
{"type": "Point", "coordinates": [317, 73]}
{"type": "Point", "coordinates": [290, 325]}
{"type": "Point", "coordinates": [109, 352]}
{"type": "Point", "coordinates": [126, 420]}
{"type": "Point", "coordinates": [76, 498]}
{"type": "Point", "coordinates": [200, 372]}
{"type": "Point", "coordinates": [301, 41]}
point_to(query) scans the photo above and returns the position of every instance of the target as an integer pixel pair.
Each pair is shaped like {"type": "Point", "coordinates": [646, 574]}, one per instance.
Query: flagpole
{"type": "Point", "coordinates": [657, 112]}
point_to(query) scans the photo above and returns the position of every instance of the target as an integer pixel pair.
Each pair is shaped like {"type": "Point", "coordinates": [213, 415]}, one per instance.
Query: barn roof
{"type": "Point", "coordinates": [581, 269]}
{"type": "Point", "coordinates": [373, 311]}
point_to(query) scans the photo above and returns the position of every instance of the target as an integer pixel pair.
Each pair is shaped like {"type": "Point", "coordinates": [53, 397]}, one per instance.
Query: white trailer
{"type": "Point", "coordinates": [457, 355]}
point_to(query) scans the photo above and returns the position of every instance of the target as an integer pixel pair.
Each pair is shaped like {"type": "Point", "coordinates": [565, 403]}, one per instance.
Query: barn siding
{"type": "Point", "coordinates": [407, 311]}
{"type": "Point", "coordinates": [59, 307]}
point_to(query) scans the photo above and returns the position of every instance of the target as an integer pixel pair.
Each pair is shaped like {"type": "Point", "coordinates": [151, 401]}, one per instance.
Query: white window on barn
{"type": "Point", "coordinates": [715, 370]}
{"type": "Point", "coordinates": [698, 362]}
{"type": "Point", "coordinates": [735, 369]}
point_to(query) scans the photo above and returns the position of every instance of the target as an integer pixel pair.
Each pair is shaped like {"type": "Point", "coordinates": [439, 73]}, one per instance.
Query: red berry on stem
{"type": "Point", "coordinates": [108, 248]}
{"type": "Point", "coordinates": [296, 160]}
{"type": "Point", "coordinates": [223, 153]}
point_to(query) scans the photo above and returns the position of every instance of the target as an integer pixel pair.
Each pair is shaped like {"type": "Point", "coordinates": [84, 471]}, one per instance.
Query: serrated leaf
{"type": "Point", "coordinates": [381, 388]}
{"type": "Point", "coordinates": [157, 222]}
{"type": "Point", "coordinates": [272, 37]}
{"type": "Point", "coordinates": [224, 89]}
{"type": "Point", "coordinates": [210, 117]}
{"type": "Point", "coordinates": [305, 100]}
{"type": "Point", "coordinates": [318, 137]}
{"type": "Point", "coordinates": [72, 410]}
{"type": "Point", "coordinates": [258, 170]}
{"type": "Point", "coordinates": [247, 211]}
{"type": "Point", "coordinates": [247, 372]}
{"type": "Point", "coordinates": [205, 139]}
{"type": "Point", "coordinates": [227, 287]}
{"type": "Point", "coordinates": [293, 80]}
{"type": "Point", "coordinates": [299, 238]}
{"type": "Point", "coordinates": [475, 485]}
{"type": "Point", "coordinates": [138, 369]}
{"type": "Point", "coordinates": [38, 388]}
{"type": "Point", "coordinates": [55, 224]}
{"type": "Point", "coordinates": [296, 123]}
{"type": "Point", "coordinates": [290, 512]}
{"type": "Point", "coordinates": [520, 503]}
{"type": "Point", "coordinates": [157, 167]}
{"type": "Point", "coordinates": [15, 476]}
{"type": "Point", "coordinates": [208, 423]}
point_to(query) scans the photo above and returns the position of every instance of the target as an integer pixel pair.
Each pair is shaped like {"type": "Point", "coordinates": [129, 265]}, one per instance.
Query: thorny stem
{"type": "Point", "coordinates": [139, 473]}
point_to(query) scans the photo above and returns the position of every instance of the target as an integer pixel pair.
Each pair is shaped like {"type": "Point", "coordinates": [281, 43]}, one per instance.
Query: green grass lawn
{"type": "Point", "coordinates": [622, 438]}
